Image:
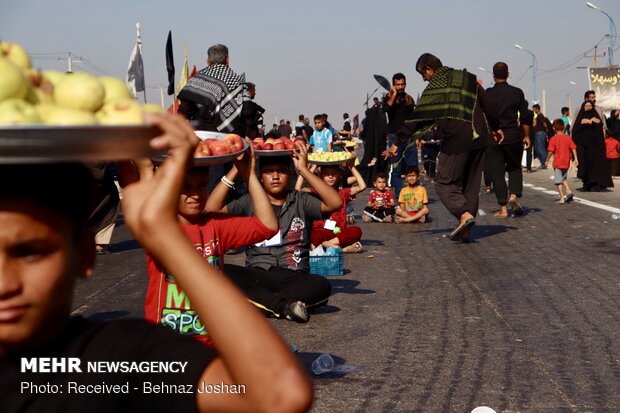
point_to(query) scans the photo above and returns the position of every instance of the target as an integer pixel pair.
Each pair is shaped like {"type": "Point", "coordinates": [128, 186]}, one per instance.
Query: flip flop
{"type": "Point", "coordinates": [354, 248]}
{"type": "Point", "coordinates": [462, 229]}
{"type": "Point", "coordinates": [498, 215]}
{"type": "Point", "coordinates": [568, 197]}
{"type": "Point", "coordinates": [516, 208]}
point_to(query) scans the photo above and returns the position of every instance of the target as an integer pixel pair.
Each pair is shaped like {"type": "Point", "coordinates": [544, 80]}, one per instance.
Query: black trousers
{"type": "Point", "coordinates": [502, 159]}
{"type": "Point", "coordinates": [271, 290]}
{"type": "Point", "coordinates": [457, 182]}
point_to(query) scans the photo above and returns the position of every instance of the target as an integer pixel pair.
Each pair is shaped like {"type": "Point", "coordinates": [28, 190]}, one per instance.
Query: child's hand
{"type": "Point", "coordinates": [300, 156]}
{"type": "Point", "coordinates": [155, 196]}
{"type": "Point", "coordinates": [246, 162]}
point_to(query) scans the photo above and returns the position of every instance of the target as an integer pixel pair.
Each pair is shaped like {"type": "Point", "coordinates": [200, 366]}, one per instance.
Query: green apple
{"type": "Point", "coordinates": [54, 76]}
{"type": "Point", "coordinates": [120, 112]}
{"type": "Point", "coordinates": [80, 91]}
{"type": "Point", "coordinates": [17, 112]}
{"type": "Point", "coordinates": [16, 54]}
{"type": "Point", "coordinates": [13, 83]}
{"type": "Point", "coordinates": [56, 115]}
{"type": "Point", "coordinates": [115, 89]}
{"type": "Point", "coordinates": [152, 108]}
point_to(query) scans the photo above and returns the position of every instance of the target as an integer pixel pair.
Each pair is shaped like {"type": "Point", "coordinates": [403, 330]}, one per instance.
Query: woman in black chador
{"type": "Point", "coordinates": [588, 135]}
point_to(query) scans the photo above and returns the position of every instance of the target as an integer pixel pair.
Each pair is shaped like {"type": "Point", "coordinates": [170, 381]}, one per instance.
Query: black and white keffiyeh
{"type": "Point", "coordinates": [220, 88]}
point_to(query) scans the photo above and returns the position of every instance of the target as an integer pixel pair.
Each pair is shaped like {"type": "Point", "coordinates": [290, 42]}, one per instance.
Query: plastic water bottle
{"type": "Point", "coordinates": [323, 364]}
{"type": "Point", "coordinates": [615, 216]}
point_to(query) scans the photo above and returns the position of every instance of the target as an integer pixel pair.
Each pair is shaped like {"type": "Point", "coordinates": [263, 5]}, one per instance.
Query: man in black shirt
{"type": "Point", "coordinates": [455, 105]}
{"type": "Point", "coordinates": [399, 105]}
{"type": "Point", "coordinates": [44, 354]}
{"type": "Point", "coordinates": [505, 156]}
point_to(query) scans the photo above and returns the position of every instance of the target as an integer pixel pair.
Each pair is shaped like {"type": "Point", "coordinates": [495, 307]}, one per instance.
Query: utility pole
{"type": "Point", "coordinates": [70, 60]}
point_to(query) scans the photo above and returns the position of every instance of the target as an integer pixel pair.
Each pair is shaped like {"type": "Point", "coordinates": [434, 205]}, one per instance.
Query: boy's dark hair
{"type": "Point", "coordinates": [345, 115]}
{"type": "Point", "coordinates": [64, 188]}
{"type": "Point", "coordinates": [536, 106]}
{"type": "Point", "coordinates": [588, 93]}
{"type": "Point", "coordinates": [427, 60]}
{"type": "Point", "coordinates": [265, 161]}
{"type": "Point", "coordinates": [398, 76]}
{"type": "Point", "coordinates": [301, 117]}
{"type": "Point", "coordinates": [319, 116]}
{"type": "Point", "coordinates": [558, 125]}
{"type": "Point", "coordinates": [500, 70]}
{"type": "Point", "coordinates": [379, 175]}
{"type": "Point", "coordinates": [565, 110]}
{"type": "Point", "coordinates": [412, 170]}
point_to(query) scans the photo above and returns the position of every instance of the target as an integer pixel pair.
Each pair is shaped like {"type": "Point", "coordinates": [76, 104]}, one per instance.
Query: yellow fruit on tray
{"type": "Point", "coordinates": [329, 157]}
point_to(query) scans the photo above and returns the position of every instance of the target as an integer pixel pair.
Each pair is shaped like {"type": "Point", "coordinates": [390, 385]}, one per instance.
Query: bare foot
{"type": "Point", "coordinates": [388, 219]}
{"type": "Point", "coordinates": [366, 218]}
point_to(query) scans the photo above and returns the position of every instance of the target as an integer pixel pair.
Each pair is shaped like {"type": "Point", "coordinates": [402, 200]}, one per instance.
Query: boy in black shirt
{"type": "Point", "coordinates": [45, 355]}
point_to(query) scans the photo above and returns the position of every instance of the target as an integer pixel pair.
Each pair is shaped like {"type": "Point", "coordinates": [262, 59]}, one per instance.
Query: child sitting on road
{"type": "Point", "coordinates": [211, 234]}
{"type": "Point", "coordinates": [413, 200]}
{"type": "Point", "coordinates": [560, 147]}
{"type": "Point", "coordinates": [381, 203]}
{"type": "Point", "coordinates": [334, 232]}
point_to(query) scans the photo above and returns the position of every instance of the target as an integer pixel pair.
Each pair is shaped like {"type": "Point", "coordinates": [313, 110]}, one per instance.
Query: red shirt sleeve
{"type": "Point", "coordinates": [237, 232]}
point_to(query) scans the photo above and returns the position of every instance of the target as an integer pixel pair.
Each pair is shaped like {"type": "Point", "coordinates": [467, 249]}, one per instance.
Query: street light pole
{"type": "Point", "coordinates": [613, 33]}
{"type": "Point", "coordinates": [534, 72]}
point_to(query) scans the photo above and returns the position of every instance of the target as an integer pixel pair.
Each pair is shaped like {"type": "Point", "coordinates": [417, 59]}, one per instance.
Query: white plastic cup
{"type": "Point", "coordinates": [323, 364]}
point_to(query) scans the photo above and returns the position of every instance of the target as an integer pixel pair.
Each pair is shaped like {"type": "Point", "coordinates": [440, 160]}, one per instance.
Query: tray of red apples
{"type": "Point", "coordinates": [216, 148]}
{"type": "Point", "coordinates": [281, 146]}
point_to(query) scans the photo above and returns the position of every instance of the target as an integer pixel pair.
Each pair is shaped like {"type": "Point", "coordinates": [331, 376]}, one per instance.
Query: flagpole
{"type": "Point", "coordinates": [139, 40]}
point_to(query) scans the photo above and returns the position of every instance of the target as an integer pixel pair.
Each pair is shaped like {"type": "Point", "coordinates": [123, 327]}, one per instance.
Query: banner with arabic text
{"type": "Point", "coordinates": [605, 81]}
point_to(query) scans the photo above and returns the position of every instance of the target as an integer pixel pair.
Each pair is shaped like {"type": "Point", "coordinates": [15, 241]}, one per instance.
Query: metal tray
{"type": "Point", "coordinates": [274, 152]}
{"type": "Point", "coordinates": [44, 143]}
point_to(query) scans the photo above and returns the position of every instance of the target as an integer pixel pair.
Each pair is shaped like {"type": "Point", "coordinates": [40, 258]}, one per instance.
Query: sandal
{"type": "Point", "coordinates": [516, 208]}
{"type": "Point", "coordinates": [354, 248]}
{"type": "Point", "coordinates": [463, 228]}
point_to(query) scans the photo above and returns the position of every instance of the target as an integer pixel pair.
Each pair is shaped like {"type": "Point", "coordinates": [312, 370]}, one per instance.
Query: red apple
{"type": "Point", "coordinates": [278, 146]}
{"type": "Point", "coordinates": [257, 146]}
{"type": "Point", "coordinates": [267, 147]}
{"type": "Point", "coordinates": [235, 141]}
{"type": "Point", "coordinates": [290, 145]}
{"type": "Point", "coordinates": [202, 150]}
{"type": "Point", "coordinates": [220, 148]}
{"type": "Point", "coordinates": [259, 140]}
{"type": "Point", "coordinates": [269, 140]}
{"type": "Point", "coordinates": [209, 142]}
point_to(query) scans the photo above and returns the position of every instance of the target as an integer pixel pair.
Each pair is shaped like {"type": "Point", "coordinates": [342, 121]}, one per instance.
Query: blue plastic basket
{"type": "Point", "coordinates": [327, 264]}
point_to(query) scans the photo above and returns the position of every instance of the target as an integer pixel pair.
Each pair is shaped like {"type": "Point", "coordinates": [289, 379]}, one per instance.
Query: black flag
{"type": "Point", "coordinates": [170, 63]}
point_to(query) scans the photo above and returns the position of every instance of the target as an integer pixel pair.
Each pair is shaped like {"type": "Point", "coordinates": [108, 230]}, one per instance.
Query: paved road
{"type": "Point", "coordinates": [524, 319]}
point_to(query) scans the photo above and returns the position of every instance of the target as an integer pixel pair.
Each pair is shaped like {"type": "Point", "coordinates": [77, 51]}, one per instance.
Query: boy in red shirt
{"type": "Point", "coordinates": [380, 201]}
{"type": "Point", "coordinates": [612, 152]}
{"type": "Point", "coordinates": [212, 234]}
{"type": "Point", "coordinates": [560, 147]}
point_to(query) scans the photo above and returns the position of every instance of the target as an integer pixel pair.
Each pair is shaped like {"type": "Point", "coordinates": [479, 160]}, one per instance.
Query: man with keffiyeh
{"type": "Point", "coordinates": [214, 97]}
{"type": "Point", "coordinates": [457, 106]}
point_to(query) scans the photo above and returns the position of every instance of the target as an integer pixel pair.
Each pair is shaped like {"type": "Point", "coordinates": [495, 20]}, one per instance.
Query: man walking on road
{"type": "Point", "coordinates": [456, 105]}
{"type": "Point", "coordinates": [505, 156]}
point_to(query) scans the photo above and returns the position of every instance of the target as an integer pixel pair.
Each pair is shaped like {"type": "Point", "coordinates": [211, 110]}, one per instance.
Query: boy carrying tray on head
{"type": "Point", "coordinates": [45, 247]}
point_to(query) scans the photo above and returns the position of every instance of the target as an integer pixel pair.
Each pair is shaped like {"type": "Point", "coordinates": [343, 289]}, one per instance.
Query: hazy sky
{"type": "Point", "coordinates": [320, 56]}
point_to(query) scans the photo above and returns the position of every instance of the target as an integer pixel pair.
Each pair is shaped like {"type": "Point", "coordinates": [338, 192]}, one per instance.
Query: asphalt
{"type": "Point", "coordinates": [526, 318]}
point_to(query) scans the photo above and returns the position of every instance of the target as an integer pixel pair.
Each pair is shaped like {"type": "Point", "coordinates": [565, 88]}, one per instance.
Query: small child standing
{"type": "Point", "coordinates": [381, 204]}
{"type": "Point", "coordinates": [560, 147]}
{"type": "Point", "coordinates": [612, 152]}
{"type": "Point", "coordinates": [321, 139]}
{"type": "Point", "coordinates": [413, 200]}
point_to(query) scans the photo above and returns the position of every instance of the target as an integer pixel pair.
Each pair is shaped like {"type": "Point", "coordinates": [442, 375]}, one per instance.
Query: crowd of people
{"type": "Point", "coordinates": [277, 208]}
